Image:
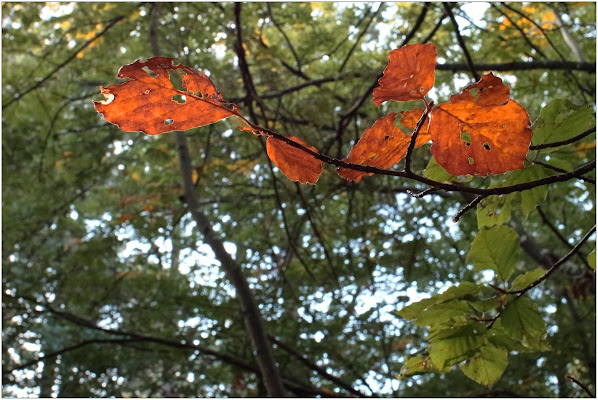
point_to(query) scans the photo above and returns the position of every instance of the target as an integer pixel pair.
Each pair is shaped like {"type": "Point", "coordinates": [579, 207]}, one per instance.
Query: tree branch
{"type": "Point", "coordinates": [522, 66]}
{"type": "Point", "coordinates": [286, 38]}
{"type": "Point", "coordinates": [564, 142]}
{"type": "Point", "coordinates": [556, 265]}
{"type": "Point", "coordinates": [581, 385]}
{"type": "Point", "coordinates": [472, 69]}
{"type": "Point", "coordinates": [250, 310]}
{"type": "Point", "coordinates": [40, 82]}
{"type": "Point", "coordinates": [361, 34]}
{"type": "Point", "coordinates": [314, 367]}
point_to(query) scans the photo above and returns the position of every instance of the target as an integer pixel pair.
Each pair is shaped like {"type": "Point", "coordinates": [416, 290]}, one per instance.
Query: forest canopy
{"type": "Point", "coordinates": [368, 199]}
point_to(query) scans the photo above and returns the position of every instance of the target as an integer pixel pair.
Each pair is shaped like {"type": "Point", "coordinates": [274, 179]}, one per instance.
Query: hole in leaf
{"type": "Point", "coordinates": [473, 91]}
{"type": "Point", "coordinates": [466, 137]}
{"type": "Point", "coordinates": [386, 137]}
{"type": "Point", "coordinates": [147, 91]}
{"type": "Point", "coordinates": [176, 79]}
{"type": "Point", "coordinates": [109, 99]}
{"type": "Point", "coordinates": [168, 122]}
{"type": "Point", "coordinates": [470, 160]}
{"type": "Point", "coordinates": [421, 89]}
{"type": "Point", "coordinates": [150, 72]}
{"type": "Point", "coordinates": [180, 98]}
{"type": "Point", "coordinates": [504, 126]}
{"type": "Point", "coordinates": [486, 145]}
{"type": "Point", "coordinates": [374, 156]}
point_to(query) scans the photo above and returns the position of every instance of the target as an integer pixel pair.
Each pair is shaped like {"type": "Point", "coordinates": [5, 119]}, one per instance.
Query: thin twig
{"type": "Point", "coordinates": [521, 31]}
{"type": "Point", "coordinates": [448, 10]}
{"type": "Point", "coordinates": [284, 35]}
{"type": "Point", "coordinates": [436, 27]}
{"type": "Point", "coordinates": [556, 265]}
{"type": "Point", "coordinates": [421, 194]}
{"type": "Point", "coordinates": [321, 371]}
{"type": "Point", "coordinates": [361, 34]}
{"type": "Point", "coordinates": [564, 142]}
{"type": "Point", "coordinates": [557, 169]}
{"type": "Point", "coordinates": [581, 385]}
{"type": "Point", "coordinates": [469, 206]}
{"type": "Point", "coordinates": [558, 234]}
{"type": "Point", "coordinates": [19, 96]}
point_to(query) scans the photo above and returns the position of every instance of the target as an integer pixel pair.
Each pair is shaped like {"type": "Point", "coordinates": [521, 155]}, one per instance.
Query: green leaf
{"type": "Point", "coordinates": [561, 120]}
{"type": "Point", "coordinates": [497, 249]}
{"type": "Point", "coordinates": [464, 289]}
{"type": "Point", "coordinates": [487, 365]}
{"type": "Point", "coordinates": [452, 346]}
{"type": "Point", "coordinates": [522, 321]}
{"type": "Point", "coordinates": [498, 337]}
{"type": "Point", "coordinates": [531, 198]}
{"type": "Point", "coordinates": [440, 313]}
{"type": "Point", "coordinates": [435, 172]}
{"type": "Point", "coordinates": [485, 305]}
{"type": "Point", "coordinates": [527, 278]}
{"type": "Point", "coordinates": [592, 259]}
{"type": "Point", "coordinates": [494, 210]}
{"type": "Point", "coordinates": [415, 310]}
{"type": "Point", "coordinates": [415, 365]}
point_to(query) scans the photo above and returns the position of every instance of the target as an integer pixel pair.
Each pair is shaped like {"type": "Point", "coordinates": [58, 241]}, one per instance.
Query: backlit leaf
{"type": "Point", "coordinates": [409, 74]}
{"type": "Point", "coordinates": [523, 280]}
{"type": "Point", "coordinates": [522, 321]}
{"type": "Point", "coordinates": [531, 198]}
{"type": "Point", "coordinates": [441, 313]}
{"type": "Point", "coordinates": [480, 131]}
{"type": "Point", "coordinates": [415, 365]}
{"type": "Point", "coordinates": [592, 259]}
{"type": "Point", "coordinates": [561, 120]}
{"type": "Point", "coordinates": [296, 164]}
{"type": "Point", "coordinates": [496, 249]}
{"type": "Point", "coordinates": [149, 102]}
{"type": "Point", "coordinates": [487, 365]}
{"type": "Point", "coordinates": [382, 146]}
{"type": "Point", "coordinates": [410, 118]}
{"type": "Point", "coordinates": [435, 172]}
{"type": "Point", "coordinates": [464, 289]}
{"type": "Point", "coordinates": [494, 210]}
{"type": "Point", "coordinates": [452, 346]}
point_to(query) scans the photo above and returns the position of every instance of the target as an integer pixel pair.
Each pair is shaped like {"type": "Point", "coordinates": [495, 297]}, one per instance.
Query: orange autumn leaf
{"type": "Point", "coordinates": [150, 103]}
{"type": "Point", "coordinates": [410, 118]}
{"type": "Point", "coordinates": [382, 146]}
{"type": "Point", "coordinates": [296, 164]}
{"type": "Point", "coordinates": [409, 74]}
{"type": "Point", "coordinates": [480, 131]}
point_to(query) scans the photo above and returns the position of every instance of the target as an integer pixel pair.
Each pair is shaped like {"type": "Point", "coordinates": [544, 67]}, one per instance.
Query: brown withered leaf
{"type": "Point", "coordinates": [480, 131]}
{"type": "Point", "coordinates": [149, 102]}
{"type": "Point", "coordinates": [296, 164]}
{"type": "Point", "coordinates": [409, 74]}
{"type": "Point", "coordinates": [382, 146]}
